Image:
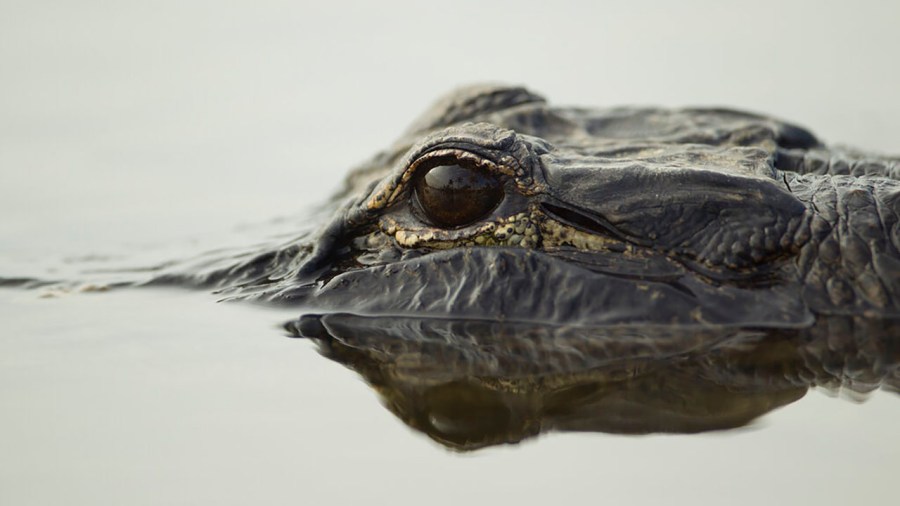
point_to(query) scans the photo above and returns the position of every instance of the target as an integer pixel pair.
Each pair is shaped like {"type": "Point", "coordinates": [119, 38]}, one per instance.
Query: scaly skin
{"type": "Point", "coordinates": [850, 261]}
{"type": "Point", "coordinates": [621, 215]}
{"type": "Point", "coordinates": [739, 260]}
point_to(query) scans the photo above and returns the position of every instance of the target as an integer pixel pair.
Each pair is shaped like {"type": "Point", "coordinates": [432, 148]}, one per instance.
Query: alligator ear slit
{"type": "Point", "coordinates": [587, 222]}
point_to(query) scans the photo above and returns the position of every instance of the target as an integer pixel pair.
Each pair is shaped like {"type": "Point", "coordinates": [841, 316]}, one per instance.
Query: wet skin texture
{"type": "Point", "coordinates": [496, 205]}
{"type": "Point", "coordinates": [509, 267]}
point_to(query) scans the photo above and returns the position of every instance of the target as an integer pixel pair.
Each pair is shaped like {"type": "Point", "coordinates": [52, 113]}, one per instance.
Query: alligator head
{"type": "Point", "coordinates": [498, 206]}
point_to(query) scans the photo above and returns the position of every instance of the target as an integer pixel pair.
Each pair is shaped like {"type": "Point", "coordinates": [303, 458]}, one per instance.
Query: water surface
{"type": "Point", "coordinates": [135, 133]}
{"type": "Point", "coordinates": [162, 396]}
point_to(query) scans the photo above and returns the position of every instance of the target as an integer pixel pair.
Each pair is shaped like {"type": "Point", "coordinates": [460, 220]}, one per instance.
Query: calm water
{"type": "Point", "coordinates": [150, 396]}
{"type": "Point", "coordinates": [136, 133]}
{"type": "Point", "coordinates": [164, 397]}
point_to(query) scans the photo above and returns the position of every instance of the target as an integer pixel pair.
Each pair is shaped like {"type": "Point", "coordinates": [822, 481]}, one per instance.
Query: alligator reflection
{"type": "Point", "coordinates": [470, 384]}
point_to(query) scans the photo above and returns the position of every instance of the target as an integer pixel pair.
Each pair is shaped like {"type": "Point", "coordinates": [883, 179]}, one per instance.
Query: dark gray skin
{"type": "Point", "coordinates": [633, 271]}
{"type": "Point", "coordinates": [622, 215]}
{"type": "Point", "coordinates": [747, 261]}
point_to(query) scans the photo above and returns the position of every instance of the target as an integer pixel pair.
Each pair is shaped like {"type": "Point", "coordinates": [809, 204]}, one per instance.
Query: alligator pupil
{"type": "Point", "coordinates": [453, 195]}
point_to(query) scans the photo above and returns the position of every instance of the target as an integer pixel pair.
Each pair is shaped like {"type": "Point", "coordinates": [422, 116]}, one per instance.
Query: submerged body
{"type": "Point", "coordinates": [496, 205]}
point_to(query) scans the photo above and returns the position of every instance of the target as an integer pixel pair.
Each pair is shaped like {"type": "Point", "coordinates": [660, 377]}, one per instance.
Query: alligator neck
{"type": "Point", "coordinates": [850, 255]}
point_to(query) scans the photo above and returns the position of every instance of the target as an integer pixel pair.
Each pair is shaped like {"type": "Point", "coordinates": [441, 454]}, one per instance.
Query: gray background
{"type": "Point", "coordinates": [127, 126]}
{"type": "Point", "coordinates": [170, 117]}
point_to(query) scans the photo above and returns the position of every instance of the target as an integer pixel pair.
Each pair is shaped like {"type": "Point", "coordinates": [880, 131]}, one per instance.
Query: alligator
{"type": "Point", "coordinates": [509, 266]}
{"type": "Point", "coordinates": [496, 205]}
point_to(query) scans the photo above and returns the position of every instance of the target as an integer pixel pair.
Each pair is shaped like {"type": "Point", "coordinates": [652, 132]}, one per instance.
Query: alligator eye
{"type": "Point", "coordinates": [455, 195]}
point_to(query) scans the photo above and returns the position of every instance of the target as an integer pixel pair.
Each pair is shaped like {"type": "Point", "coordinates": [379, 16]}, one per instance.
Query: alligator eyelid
{"type": "Point", "coordinates": [404, 184]}
{"type": "Point", "coordinates": [462, 155]}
